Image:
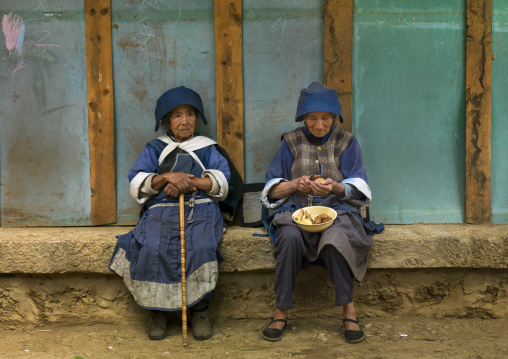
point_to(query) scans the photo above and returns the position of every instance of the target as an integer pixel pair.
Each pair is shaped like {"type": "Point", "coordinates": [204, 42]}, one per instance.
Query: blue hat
{"type": "Point", "coordinates": [175, 97]}
{"type": "Point", "coordinates": [318, 98]}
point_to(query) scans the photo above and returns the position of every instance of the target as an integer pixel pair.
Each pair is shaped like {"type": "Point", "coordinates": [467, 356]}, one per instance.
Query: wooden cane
{"type": "Point", "coordinates": [182, 260]}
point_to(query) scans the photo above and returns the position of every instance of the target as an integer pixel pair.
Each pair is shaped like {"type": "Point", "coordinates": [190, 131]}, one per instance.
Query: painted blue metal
{"type": "Point", "coordinates": [408, 98]}
{"type": "Point", "coordinates": [156, 46]}
{"type": "Point", "coordinates": [499, 164]}
{"type": "Point", "coordinates": [409, 107]}
{"type": "Point", "coordinates": [44, 126]}
{"type": "Point", "coordinates": [282, 53]}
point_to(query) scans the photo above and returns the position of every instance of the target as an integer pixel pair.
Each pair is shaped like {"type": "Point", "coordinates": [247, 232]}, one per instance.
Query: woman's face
{"type": "Point", "coordinates": [319, 123]}
{"type": "Point", "coordinates": [182, 122]}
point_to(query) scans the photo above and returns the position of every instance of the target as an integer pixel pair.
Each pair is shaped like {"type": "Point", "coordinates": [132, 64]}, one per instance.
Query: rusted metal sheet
{"type": "Point", "coordinates": [156, 46]}
{"type": "Point", "coordinates": [499, 130]}
{"type": "Point", "coordinates": [408, 84]}
{"type": "Point", "coordinates": [282, 54]}
{"type": "Point", "coordinates": [409, 109]}
{"type": "Point", "coordinates": [44, 170]}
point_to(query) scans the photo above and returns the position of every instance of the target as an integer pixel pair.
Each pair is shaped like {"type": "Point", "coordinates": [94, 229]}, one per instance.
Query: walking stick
{"type": "Point", "coordinates": [182, 259]}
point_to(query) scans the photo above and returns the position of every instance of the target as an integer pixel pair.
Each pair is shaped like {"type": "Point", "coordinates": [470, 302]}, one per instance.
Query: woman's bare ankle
{"type": "Point", "coordinates": [279, 314]}
{"type": "Point", "coordinates": [349, 312]}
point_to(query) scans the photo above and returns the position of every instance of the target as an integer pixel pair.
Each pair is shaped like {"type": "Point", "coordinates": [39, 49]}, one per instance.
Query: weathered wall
{"type": "Point", "coordinates": [408, 97]}
{"type": "Point", "coordinates": [499, 166]}
{"type": "Point", "coordinates": [43, 117]}
{"type": "Point", "coordinates": [74, 298]}
{"type": "Point", "coordinates": [408, 107]}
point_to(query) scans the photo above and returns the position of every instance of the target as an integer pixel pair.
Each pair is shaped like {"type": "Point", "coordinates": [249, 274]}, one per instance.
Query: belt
{"type": "Point", "coordinates": [176, 204]}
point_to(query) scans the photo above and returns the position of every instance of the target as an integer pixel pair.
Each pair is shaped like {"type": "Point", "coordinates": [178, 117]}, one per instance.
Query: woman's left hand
{"type": "Point", "coordinates": [322, 188]}
{"type": "Point", "coordinates": [327, 186]}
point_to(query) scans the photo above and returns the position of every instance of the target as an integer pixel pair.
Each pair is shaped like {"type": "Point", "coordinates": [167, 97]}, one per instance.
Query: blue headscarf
{"type": "Point", "coordinates": [318, 98]}
{"type": "Point", "coordinates": [175, 97]}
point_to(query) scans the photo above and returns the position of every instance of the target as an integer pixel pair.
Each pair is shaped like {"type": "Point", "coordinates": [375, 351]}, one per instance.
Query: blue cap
{"type": "Point", "coordinates": [175, 97]}
{"type": "Point", "coordinates": [318, 98]}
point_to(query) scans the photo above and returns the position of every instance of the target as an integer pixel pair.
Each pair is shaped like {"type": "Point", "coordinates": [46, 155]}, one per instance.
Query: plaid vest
{"type": "Point", "coordinates": [309, 157]}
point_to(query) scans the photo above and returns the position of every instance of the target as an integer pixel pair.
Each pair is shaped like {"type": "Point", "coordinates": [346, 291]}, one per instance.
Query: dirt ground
{"type": "Point", "coordinates": [321, 338]}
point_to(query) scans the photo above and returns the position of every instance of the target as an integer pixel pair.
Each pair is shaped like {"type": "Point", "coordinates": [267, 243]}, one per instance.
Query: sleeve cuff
{"type": "Point", "coordinates": [267, 202]}
{"type": "Point", "coordinates": [358, 185]}
{"type": "Point", "coordinates": [140, 187]}
{"type": "Point", "coordinates": [220, 185]}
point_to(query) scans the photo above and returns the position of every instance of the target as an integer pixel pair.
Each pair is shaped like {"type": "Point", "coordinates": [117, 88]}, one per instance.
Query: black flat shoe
{"type": "Point", "coordinates": [353, 336]}
{"type": "Point", "coordinates": [158, 328]}
{"type": "Point", "coordinates": [274, 334]}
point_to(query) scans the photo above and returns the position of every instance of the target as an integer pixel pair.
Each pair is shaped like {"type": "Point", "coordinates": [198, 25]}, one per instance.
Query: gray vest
{"type": "Point", "coordinates": [308, 157]}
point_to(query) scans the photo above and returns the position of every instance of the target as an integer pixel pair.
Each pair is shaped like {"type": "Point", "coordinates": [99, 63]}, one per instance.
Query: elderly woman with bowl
{"type": "Point", "coordinates": [318, 164]}
{"type": "Point", "coordinates": [148, 257]}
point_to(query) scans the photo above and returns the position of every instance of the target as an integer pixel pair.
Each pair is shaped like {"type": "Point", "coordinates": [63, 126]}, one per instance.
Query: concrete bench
{"type": "Point", "coordinates": [431, 270]}
{"type": "Point", "coordinates": [88, 249]}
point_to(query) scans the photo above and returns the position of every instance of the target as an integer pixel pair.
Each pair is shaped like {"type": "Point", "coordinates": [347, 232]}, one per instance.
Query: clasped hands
{"type": "Point", "coordinates": [177, 183]}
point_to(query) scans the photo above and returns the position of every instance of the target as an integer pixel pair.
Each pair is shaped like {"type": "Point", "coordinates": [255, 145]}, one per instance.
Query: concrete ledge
{"type": "Point", "coordinates": [61, 275]}
{"type": "Point", "coordinates": [88, 249]}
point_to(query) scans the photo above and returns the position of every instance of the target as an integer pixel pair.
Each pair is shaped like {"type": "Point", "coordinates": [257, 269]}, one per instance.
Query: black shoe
{"type": "Point", "coordinates": [201, 327]}
{"type": "Point", "coordinates": [274, 334]}
{"type": "Point", "coordinates": [354, 336]}
{"type": "Point", "coordinates": [158, 328]}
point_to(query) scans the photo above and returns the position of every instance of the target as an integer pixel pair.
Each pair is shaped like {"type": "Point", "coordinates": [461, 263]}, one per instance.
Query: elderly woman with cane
{"type": "Point", "coordinates": [179, 164]}
{"type": "Point", "coordinates": [318, 164]}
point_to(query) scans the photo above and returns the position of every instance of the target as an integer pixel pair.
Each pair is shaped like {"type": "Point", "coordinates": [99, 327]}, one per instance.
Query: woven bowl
{"type": "Point", "coordinates": [315, 211]}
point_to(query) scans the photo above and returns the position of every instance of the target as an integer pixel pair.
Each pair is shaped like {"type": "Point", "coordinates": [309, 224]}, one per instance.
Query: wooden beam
{"type": "Point", "coordinates": [338, 53]}
{"type": "Point", "coordinates": [229, 79]}
{"type": "Point", "coordinates": [478, 110]}
{"type": "Point", "coordinates": [101, 132]}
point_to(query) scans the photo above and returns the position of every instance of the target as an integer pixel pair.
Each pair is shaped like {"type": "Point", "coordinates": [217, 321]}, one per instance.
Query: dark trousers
{"type": "Point", "coordinates": [200, 306]}
{"type": "Point", "coordinates": [203, 304]}
{"type": "Point", "coordinates": [289, 255]}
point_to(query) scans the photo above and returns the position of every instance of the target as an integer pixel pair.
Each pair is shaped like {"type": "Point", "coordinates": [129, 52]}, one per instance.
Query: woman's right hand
{"type": "Point", "coordinates": [171, 191]}
{"type": "Point", "coordinates": [303, 184]}
{"type": "Point", "coordinates": [284, 189]}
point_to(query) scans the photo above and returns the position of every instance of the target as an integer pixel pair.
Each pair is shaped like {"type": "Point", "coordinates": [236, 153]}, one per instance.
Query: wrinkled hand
{"type": "Point", "coordinates": [322, 188]}
{"type": "Point", "coordinates": [171, 191]}
{"type": "Point", "coordinates": [304, 184]}
{"type": "Point", "coordinates": [177, 183]}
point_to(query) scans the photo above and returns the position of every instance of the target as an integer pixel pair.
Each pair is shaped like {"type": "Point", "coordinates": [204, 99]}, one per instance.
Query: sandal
{"type": "Point", "coordinates": [353, 336]}
{"type": "Point", "coordinates": [274, 334]}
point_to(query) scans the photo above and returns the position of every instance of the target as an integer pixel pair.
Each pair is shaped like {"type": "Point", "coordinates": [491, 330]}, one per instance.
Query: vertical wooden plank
{"type": "Point", "coordinates": [338, 53]}
{"type": "Point", "coordinates": [100, 110]}
{"type": "Point", "coordinates": [229, 79]}
{"type": "Point", "coordinates": [478, 110]}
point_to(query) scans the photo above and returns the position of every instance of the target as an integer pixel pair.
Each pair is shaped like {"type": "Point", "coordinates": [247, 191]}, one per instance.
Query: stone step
{"type": "Point", "coordinates": [52, 275]}
{"type": "Point", "coordinates": [44, 250]}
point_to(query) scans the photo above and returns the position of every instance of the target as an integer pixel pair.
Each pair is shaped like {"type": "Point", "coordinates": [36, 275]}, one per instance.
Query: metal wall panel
{"type": "Point", "coordinates": [408, 98]}
{"type": "Point", "coordinates": [409, 109]}
{"type": "Point", "coordinates": [499, 164]}
{"type": "Point", "coordinates": [43, 116]}
{"type": "Point", "coordinates": [282, 54]}
{"type": "Point", "coordinates": [157, 45]}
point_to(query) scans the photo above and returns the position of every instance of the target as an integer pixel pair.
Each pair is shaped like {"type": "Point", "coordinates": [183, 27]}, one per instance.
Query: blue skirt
{"type": "Point", "coordinates": [148, 257]}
